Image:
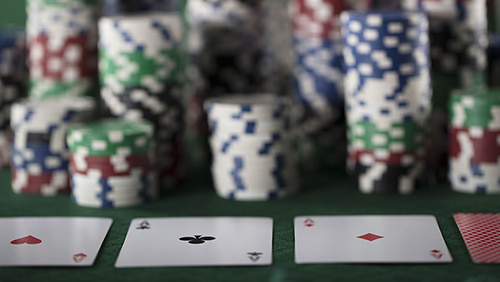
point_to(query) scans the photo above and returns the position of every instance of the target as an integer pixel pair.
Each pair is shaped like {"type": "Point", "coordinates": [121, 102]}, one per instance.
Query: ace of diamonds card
{"type": "Point", "coordinates": [197, 241]}
{"type": "Point", "coordinates": [369, 239]}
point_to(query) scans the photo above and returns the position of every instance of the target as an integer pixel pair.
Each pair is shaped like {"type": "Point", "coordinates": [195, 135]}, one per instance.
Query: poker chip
{"type": "Point", "coordinates": [319, 81]}
{"type": "Point", "coordinates": [379, 177]}
{"type": "Point", "coordinates": [62, 48]}
{"type": "Point", "coordinates": [250, 164]}
{"type": "Point", "coordinates": [458, 52]}
{"type": "Point", "coordinates": [388, 99]}
{"type": "Point", "coordinates": [141, 65]}
{"type": "Point", "coordinates": [111, 163]}
{"type": "Point", "coordinates": [12, 83]}
{"type": "Point", "coordinates": [39, 156]}
{"type": "Point", "coordinates": [473, 143]}
{"type": "Point", "coordinates": [226, 55]}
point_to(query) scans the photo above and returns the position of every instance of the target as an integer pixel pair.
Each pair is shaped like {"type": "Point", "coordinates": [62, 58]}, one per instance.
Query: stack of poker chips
{"type": "Point", "coordinates": [39, 152]}
{"type": "Point", "coordinates": [225, 56]}
{"type": "Point", "coordinates": [225, 45]}
{"type": "Point", "coordinates": [111, 163]}
{"type": "Point", "coordinates": [253, 157]}
{"type": "Point", "coordinates": [12, 83]}
{"type": "Point", "coordinates": [458, 33]}
{"type": "Point", "coordinates": [318, 72]}
{"type": "Point", "coordinates": [388, 98]}
{"type": "Point", "coordinates": [458, 42]}
{"type": "Point", "coordinates": [140, 68]}
{"type": "Point", "coordinates": [474, 141]}
{"type": "Point", "coordinates": [62, 46]}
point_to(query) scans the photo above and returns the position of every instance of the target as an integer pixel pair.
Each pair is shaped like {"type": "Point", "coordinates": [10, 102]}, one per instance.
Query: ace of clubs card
{"type": "Point", "coordinates": [197, 241]}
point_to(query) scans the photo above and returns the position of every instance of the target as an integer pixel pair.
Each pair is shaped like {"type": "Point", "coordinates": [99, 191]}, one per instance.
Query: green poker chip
{"type": "Point", "coordinates": [111, 137]}
{"type": "Point", "coordinates": [48, 89]}
{"type": "Point", "coordinates": [477, 107]}
{"type": "Point", "coordinates": [399, 136]}
{"type": "Point", "coordinates": [136, 68]}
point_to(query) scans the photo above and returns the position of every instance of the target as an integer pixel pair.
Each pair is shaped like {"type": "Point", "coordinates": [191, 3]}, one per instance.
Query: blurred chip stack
{"type": "Point", "coordinates": [458, 34]}
{"type": "Point", "coordinates": [39, 152]}
{"type": "Point", "coordinates": [458, 39]}
{"type": "Point", "coordinates": [253, 156]}
{"type": "Point", "coordinates": [140, 67]}
{"type": "Point", "coordinates": [318, 83]}
{"type": "Point", "coordinates": [388, 98]}
{"type": "Point", "coordinates": [62, 45]}
{"type": "Point", "coordinates": [112, 163]}
{"type": "Point", "coordinates": [12, 83]}
{"type": "Point", "coordinates": [474, 141]}
{"type": "Point", "coordinates": [226, 55]}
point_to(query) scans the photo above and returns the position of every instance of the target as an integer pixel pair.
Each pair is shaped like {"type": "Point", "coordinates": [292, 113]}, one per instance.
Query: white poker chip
{"type": "Point", "coordinates": [252, 146]}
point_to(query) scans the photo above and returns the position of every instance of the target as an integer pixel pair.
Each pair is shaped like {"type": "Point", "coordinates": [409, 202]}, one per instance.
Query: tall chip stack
{"type": "Point", "coordinates": [62, 46]}
{"type": "Point", "coordinates": [252, 147]}
{"type": "Point", "coordinates": [226, 55]}
{"type": "Point", "coordinates": [388, 98]}
{"type": "Point", "coordinates": [140, 67]}
{"type": "Point", "coordinates": [39, 152]}
{"type": "Point", "coordinates": [458, 38]}
{"type": "Point", "coordinates": [112, 164]}
{"type": "Point", "coordinates": [474, 141]}
{"type": "Point", "coordinates": [318, 73]}
{"type": "Point", "coordinates": [12, 83]}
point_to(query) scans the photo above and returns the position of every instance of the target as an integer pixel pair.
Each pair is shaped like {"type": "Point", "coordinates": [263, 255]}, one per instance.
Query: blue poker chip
{"type": "Point", "coordinates": [319, 71]}
{"type": "Point", "coordinates": [39, 158]}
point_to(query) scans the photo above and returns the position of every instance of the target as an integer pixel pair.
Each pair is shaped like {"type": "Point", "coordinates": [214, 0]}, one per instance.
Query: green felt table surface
{"type": "Point", "coordinates": [322, 194]}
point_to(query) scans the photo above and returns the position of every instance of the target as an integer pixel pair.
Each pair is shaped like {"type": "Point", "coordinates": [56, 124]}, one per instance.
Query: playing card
{"type": "Point", "coordinates": [369, 239]}
{"type": "Point", "coordinates": [481, 233]}
{"type": "Point", "coordinates": [51, 241]}
{"type": "Point", "coordinates": [197, 241]}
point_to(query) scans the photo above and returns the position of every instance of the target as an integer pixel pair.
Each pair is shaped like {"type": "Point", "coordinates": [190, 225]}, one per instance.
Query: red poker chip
{"type": "Point", "coordinates": [393, 158]}
{"type": "Point", "coordinates": [77, 54]}
{"type": "Point", "coordinates": [486, 147]}
{"type": "Point", "coordinates": [36, 184]}
{"type": "Point", "coordinates": [108, 169]}
{"type": "Point", "coordinates": [39, 189]}
{"type": "Point", "coordinates": [304, 16]}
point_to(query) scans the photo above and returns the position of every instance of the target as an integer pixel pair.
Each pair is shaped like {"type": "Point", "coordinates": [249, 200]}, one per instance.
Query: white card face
{"type": "Point", "coordinates": [51, 241]}
{"type": "Point", "coordinates": [197, 241]}
{"type": "Point", "coordinates": [369, 239]}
